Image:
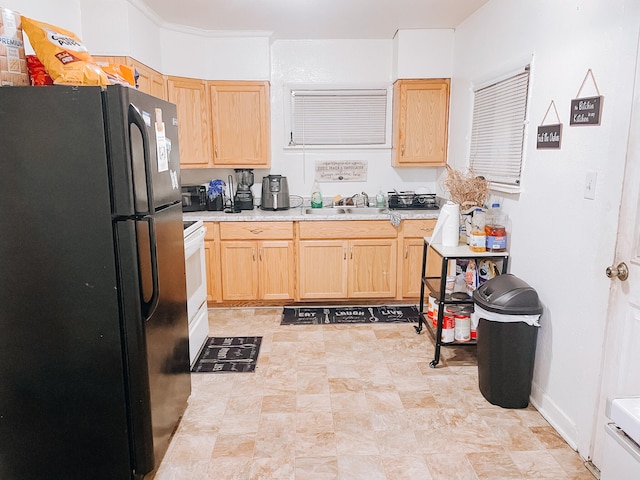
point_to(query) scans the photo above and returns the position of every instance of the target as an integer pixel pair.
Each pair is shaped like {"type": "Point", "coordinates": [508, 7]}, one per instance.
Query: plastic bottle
{"type": "Point", "coordinates": [380, 201]}
{"type": "Point", "coordinates": [477, 236]}
{"type": "Point", "coordinates": [316, 195]}
{"type": "Point", "coordinates": [496, 230]}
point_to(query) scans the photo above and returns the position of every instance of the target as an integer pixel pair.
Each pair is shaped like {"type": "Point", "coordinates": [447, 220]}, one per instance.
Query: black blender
{"type": "Point", "coordinates": [243, 197]}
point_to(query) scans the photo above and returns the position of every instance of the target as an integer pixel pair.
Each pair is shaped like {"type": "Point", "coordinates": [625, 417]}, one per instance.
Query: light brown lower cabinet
{"type": "Point", "coordinates": [212, 257]}
{"type": "Point", "coordinates": [260, 269]}
{"type": "Point", "coordinates": [319, 260]}
{"type": "Point", "coordinates": [355, 259]}
{"type": "Point", "coordinates": [413, 233]}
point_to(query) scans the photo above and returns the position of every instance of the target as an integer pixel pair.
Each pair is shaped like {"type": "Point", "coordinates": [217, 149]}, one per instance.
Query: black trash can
{"type": "Point", "coordinates": [508, 310]}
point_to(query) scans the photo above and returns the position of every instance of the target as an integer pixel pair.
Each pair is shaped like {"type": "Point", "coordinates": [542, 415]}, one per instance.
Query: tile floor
{"type": "Point", "coordinates": [353, 402]}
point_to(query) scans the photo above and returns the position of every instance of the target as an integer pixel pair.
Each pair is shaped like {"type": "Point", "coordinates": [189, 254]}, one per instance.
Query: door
{"type": "Point", "coordinates": [190, 96]}
{"type": "Point", "coordinates": [240, 118]}
{"type": "Point", "coordinates": [276, 269]}
{"type": "Point", "coordinates": [421, 115]}
{"type": "Point", "coordinates": [621, 375]}
{"type": "Point", "coordinates": [143, 143]}
{"type": "Point", "coordinates": [412, 267]}
{"type": "Point", "coordinates": [166, 327]}
{"type": "Point", "coordinates": [372, 268]}
{"type": "Point", "coordinates": [322, 271]}
{"type": "Point", "coordinates": [239, 270]}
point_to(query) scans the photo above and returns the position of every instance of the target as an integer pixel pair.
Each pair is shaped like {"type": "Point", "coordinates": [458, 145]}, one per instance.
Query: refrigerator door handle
{"type": "Point", "coordinates": [149, 306]}
{"type": "Point", "coordinates": [136, 119]}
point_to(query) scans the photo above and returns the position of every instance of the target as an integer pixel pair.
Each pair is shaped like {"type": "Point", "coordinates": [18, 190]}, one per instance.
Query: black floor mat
{"type": "Point", "coordinates": [332, 315]}
{"type": "Point", "coordinates": [228, 354]}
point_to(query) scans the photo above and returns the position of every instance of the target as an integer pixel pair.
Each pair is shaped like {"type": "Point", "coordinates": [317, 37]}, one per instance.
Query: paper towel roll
{"type": "Point", "coordinates": [447, 230]}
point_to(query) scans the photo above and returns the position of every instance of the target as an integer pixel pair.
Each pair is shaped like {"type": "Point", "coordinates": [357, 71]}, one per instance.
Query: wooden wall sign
{"type": "Point", "coordinates": [341, 171]}
{"type": "Point", "coordinates": [550, 136]}
{"type": "Point", "coordinates": [586, 110]}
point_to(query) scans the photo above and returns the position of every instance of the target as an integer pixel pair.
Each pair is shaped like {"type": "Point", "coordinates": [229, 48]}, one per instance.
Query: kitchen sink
{"type": "Point", "coordinates": [325, 211]}
{"type": "Point", "coordinates": [365, 211]}
{"type": "Point", "coordinates": [345, 210]}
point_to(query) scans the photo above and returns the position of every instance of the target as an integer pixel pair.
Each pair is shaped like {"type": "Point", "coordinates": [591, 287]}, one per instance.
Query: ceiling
{"type": "Point", "coordinates": [312, 19]}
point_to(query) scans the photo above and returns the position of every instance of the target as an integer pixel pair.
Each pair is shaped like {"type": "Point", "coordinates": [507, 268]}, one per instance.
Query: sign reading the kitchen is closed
{"type": "Point", "coordinates": [586, 111]}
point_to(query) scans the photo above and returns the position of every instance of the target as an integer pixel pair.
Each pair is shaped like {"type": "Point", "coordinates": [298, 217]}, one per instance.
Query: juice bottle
{"type": "Point", "coordinates": [477, 236]}
{"type": "Point", "coordinates": [495, 230]}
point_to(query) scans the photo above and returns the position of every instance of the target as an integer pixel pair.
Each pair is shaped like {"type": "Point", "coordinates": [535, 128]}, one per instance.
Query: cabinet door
{"type": "Point", "coordinates": [212, 257]}
{"type": "Point", "coordinates": [239, 267]}
{"type": "Point", "coordinates": [276, 269]}
{"type": "Point", "coordinates": [421, 117]}
{"type": "Point", "coordinates": [190, 96]}
{"type": "Point", "coordinates": [412, 267]}
{"type": "Point", "coordinates": [322, 269]}
{"type": "Point", "coordinates": [372, 268]}
{"type": "Point", "coordinates": [149, 81]}
{"type": "Point", "coordinates": [240, 117]}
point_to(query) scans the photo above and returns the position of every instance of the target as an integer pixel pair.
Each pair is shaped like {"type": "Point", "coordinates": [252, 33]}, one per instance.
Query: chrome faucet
{"type": "Point", "coordinates": [366, 199]}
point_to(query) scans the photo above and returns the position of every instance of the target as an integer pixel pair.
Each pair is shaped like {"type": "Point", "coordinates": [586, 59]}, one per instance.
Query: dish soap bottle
{"type": "Point", "coordinates": [380, 202]}
{"type": "Point", "coordinates": [316, 196]}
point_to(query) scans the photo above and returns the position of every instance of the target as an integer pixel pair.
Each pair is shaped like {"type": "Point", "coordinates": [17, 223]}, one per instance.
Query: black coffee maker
{"type": "Point", "coordinates": [243, 198]}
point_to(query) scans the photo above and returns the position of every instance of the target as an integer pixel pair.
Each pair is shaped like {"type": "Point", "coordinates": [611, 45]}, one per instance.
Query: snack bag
{"type": "Point", "coordinates": [63, 55]}
{"type": "Point", "coordinates": [118, 74]}
{"type": "Point", "coordinates": [37, 73]}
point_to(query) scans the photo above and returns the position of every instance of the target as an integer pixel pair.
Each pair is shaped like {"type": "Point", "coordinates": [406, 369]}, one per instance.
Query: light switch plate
{"type": "Point", "coordinates": [590, 185]}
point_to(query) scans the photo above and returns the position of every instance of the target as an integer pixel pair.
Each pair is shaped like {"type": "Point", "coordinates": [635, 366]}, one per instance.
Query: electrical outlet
{"type": "Point", "coordinates": [590, 185]}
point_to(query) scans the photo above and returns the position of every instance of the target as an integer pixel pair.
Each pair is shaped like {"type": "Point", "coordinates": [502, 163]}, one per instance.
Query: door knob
{"type": "Point", "coordinates": [621, 271]}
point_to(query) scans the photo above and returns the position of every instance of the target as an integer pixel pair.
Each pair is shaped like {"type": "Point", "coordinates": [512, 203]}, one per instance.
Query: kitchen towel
{"type": "Point", "coordinates": [447, 230]}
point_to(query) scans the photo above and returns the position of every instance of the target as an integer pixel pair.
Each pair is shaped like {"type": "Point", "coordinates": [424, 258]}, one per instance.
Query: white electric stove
{"type": "Point", "coordinates": [621, 456]}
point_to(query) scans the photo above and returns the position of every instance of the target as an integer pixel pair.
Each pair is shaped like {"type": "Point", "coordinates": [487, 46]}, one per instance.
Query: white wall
{"type": "Point", "coordinates": [423, 53]}
{"type": "Point", "coordinates": [332, 62]}
{"type": "Point", "coordinates": [561, 242]}
{"type": "Point", "coordinates": [345, 63]}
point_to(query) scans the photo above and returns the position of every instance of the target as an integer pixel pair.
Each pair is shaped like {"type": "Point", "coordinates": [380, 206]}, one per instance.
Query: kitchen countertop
{"type": "Point", "coordinates": [298, 214]}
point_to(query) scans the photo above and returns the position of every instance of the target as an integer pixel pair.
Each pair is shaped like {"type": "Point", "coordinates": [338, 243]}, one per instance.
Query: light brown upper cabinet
{"type": "Point", "coordinates": [420, 120]}
{"type": "Point", "coordinates": [190, 96]}
{"type": "Point", "coordinates": [240, 123]}
{"type": "Point", "coordinates": [149, 81]}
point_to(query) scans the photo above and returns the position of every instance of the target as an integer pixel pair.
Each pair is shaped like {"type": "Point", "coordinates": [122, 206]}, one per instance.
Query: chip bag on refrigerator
{"type": "Point", "coordinates": [63, 54]}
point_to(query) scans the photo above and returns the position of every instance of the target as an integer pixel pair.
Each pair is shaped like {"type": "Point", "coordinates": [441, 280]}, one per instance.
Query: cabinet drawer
{"type": "Point", "coordinates": [418, 228]}
{"type": "Point", "coordinates": [347, 229]}
{"type": "Point", "coordinates": [256, 230]}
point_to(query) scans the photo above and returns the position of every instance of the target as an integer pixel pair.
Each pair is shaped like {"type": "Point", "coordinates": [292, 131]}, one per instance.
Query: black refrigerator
{"type": "Point", "coordinates": [94, 350]}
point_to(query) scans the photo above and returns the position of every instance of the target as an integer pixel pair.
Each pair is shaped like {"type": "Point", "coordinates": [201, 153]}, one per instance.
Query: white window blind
{"type": "Point", "coordinates": [498, 130]}
{"type": "Point", "coordinates": [338, 117]}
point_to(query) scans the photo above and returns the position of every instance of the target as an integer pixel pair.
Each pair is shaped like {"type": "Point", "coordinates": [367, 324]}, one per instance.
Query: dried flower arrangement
{"type": "Point", "coordinates": [466, 189]}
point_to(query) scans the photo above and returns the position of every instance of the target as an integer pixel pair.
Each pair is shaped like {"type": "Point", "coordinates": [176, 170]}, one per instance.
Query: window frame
{"type": "Point", "coordinates": [496, 185]}
{"type": "Point", "coordinates": [288, 115]}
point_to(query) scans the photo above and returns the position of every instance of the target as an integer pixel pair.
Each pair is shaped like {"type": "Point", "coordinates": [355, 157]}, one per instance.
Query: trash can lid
{"type": "Point", "coordinates": [509, 295]}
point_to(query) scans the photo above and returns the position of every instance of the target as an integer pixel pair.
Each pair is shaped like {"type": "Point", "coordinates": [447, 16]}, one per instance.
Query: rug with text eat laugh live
{"type": "Point", "coordinates": [348, 314]}
{"type": "Point", "coordinates": [228, 354]}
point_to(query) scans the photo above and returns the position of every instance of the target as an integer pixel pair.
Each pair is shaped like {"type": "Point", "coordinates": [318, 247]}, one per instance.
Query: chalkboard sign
{"type": "Point", "coordinates": [586, 111]}
{"type": "Point", "coordinates": [549, 136]}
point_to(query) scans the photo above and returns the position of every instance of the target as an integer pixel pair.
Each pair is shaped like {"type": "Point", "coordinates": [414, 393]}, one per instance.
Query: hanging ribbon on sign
{"type": "Point", "coordinates": [586, 110]}
{"type": "Point", "coordinates": [549, 136]}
